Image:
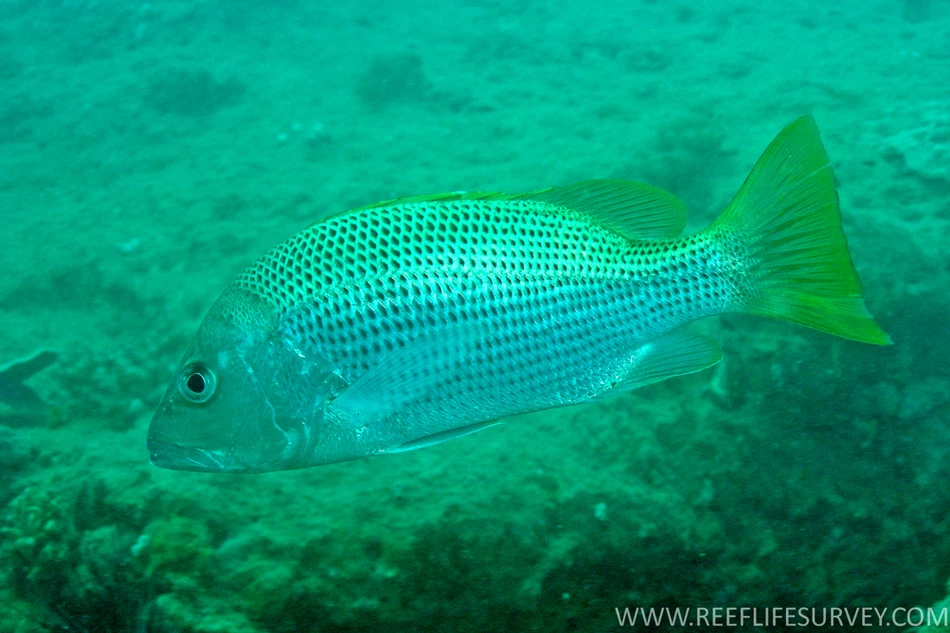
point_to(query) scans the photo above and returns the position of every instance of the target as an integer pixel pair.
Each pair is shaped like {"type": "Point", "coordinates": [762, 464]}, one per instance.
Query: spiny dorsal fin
{"type": "Point", "coordinates": [451, 196]}
{"type": "Point", "coordinates": [633, 209]}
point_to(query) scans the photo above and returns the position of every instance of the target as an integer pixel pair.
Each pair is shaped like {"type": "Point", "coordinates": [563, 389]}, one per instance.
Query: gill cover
{"type": "Point", "coordinates": [293, 390]}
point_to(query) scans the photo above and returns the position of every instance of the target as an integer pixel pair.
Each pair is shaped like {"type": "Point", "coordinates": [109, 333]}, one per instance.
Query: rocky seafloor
{"type": "Point", "coordinates": [140, 172]}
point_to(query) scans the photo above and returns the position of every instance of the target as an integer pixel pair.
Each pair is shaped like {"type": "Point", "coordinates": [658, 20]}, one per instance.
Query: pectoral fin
{"type": "Point", "coordinates": [674, 354]}
{"type": "Point", "coordinates": [409, 373]}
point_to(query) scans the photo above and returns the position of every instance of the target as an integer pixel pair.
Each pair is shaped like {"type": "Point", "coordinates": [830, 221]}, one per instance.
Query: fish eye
{"type": "Point", "coordinates": [197, 383]}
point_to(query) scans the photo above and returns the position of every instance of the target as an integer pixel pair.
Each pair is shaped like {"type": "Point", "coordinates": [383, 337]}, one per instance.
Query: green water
{"type": "Point", "coordinates": [150, 151]}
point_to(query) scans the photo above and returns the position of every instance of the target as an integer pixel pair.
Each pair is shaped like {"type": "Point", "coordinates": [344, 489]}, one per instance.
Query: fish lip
{"type": "Point", "coordinates": [176, 457]}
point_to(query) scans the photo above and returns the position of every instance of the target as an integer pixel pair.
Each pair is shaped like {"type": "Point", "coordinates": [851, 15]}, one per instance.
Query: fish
{"type": "Point", "coordinates": [13, 392]}
{"type": "Point", "coordinates": [407, 323]}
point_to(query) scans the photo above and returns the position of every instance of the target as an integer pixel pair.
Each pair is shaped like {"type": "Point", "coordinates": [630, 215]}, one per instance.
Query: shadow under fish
{"type": "Point", "coordinates": [24, 402]}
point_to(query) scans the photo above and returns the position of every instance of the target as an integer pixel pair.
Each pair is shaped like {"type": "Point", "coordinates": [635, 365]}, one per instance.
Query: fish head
{"type": "Point", "coordinates": [244, 399]}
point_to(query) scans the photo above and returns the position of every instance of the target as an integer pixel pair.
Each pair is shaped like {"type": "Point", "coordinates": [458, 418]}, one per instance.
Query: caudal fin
{"type": "Point", "coordinates": [786, 218]}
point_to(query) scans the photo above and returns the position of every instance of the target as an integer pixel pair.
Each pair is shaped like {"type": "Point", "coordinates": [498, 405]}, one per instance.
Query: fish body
{"type": "Point", "coordinates": [410, 322]}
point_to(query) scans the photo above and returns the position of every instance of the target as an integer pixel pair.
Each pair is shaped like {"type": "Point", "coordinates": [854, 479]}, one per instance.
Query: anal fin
{"type": "Point", "coordinates": [673, 354]}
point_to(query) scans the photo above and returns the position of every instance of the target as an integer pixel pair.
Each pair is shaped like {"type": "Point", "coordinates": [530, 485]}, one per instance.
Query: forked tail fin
{"type": "Point", "coordinates": [786, 218]}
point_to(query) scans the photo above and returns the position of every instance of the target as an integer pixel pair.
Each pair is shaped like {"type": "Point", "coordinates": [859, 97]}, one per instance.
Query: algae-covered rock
{"type": "Point", "coordinates": [176, 612]}
{"type": "Point", "coordinates": [70, 574]}
{"type": "Point", "coordinates": [37, 539]}
{"type": "Point", "coordinates": [177, 546]}
{"type": "Point", "coordinates": [81, 562]}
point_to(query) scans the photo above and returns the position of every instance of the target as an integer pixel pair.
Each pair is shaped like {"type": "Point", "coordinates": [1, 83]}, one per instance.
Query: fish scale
{"type": "Point", "coordinates": [410, 322]}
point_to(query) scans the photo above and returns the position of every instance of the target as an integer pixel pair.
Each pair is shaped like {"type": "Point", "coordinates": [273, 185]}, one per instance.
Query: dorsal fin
{"type": "Point", "coordinates": [633, 209]}
{"type": "Point", "coordinates": [430, 197]}
{"type": "Point", "coordinates": [451, 196]}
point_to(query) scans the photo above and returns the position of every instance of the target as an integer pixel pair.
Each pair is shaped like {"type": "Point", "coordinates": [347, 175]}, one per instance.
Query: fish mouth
{"type": "Point", "coordinates": [176, 457]}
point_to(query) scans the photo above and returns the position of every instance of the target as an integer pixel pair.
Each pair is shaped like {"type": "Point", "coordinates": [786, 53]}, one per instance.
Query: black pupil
{"type": "Point", "coordinates": [196, 383]}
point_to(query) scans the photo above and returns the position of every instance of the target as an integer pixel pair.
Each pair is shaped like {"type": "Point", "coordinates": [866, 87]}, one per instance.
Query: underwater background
{"type": "Point", "coordinates": [150, 151]}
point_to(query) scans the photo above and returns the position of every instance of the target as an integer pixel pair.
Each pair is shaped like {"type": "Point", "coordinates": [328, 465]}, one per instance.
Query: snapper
{"type": "Point", "coordinates": [414, 321]}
